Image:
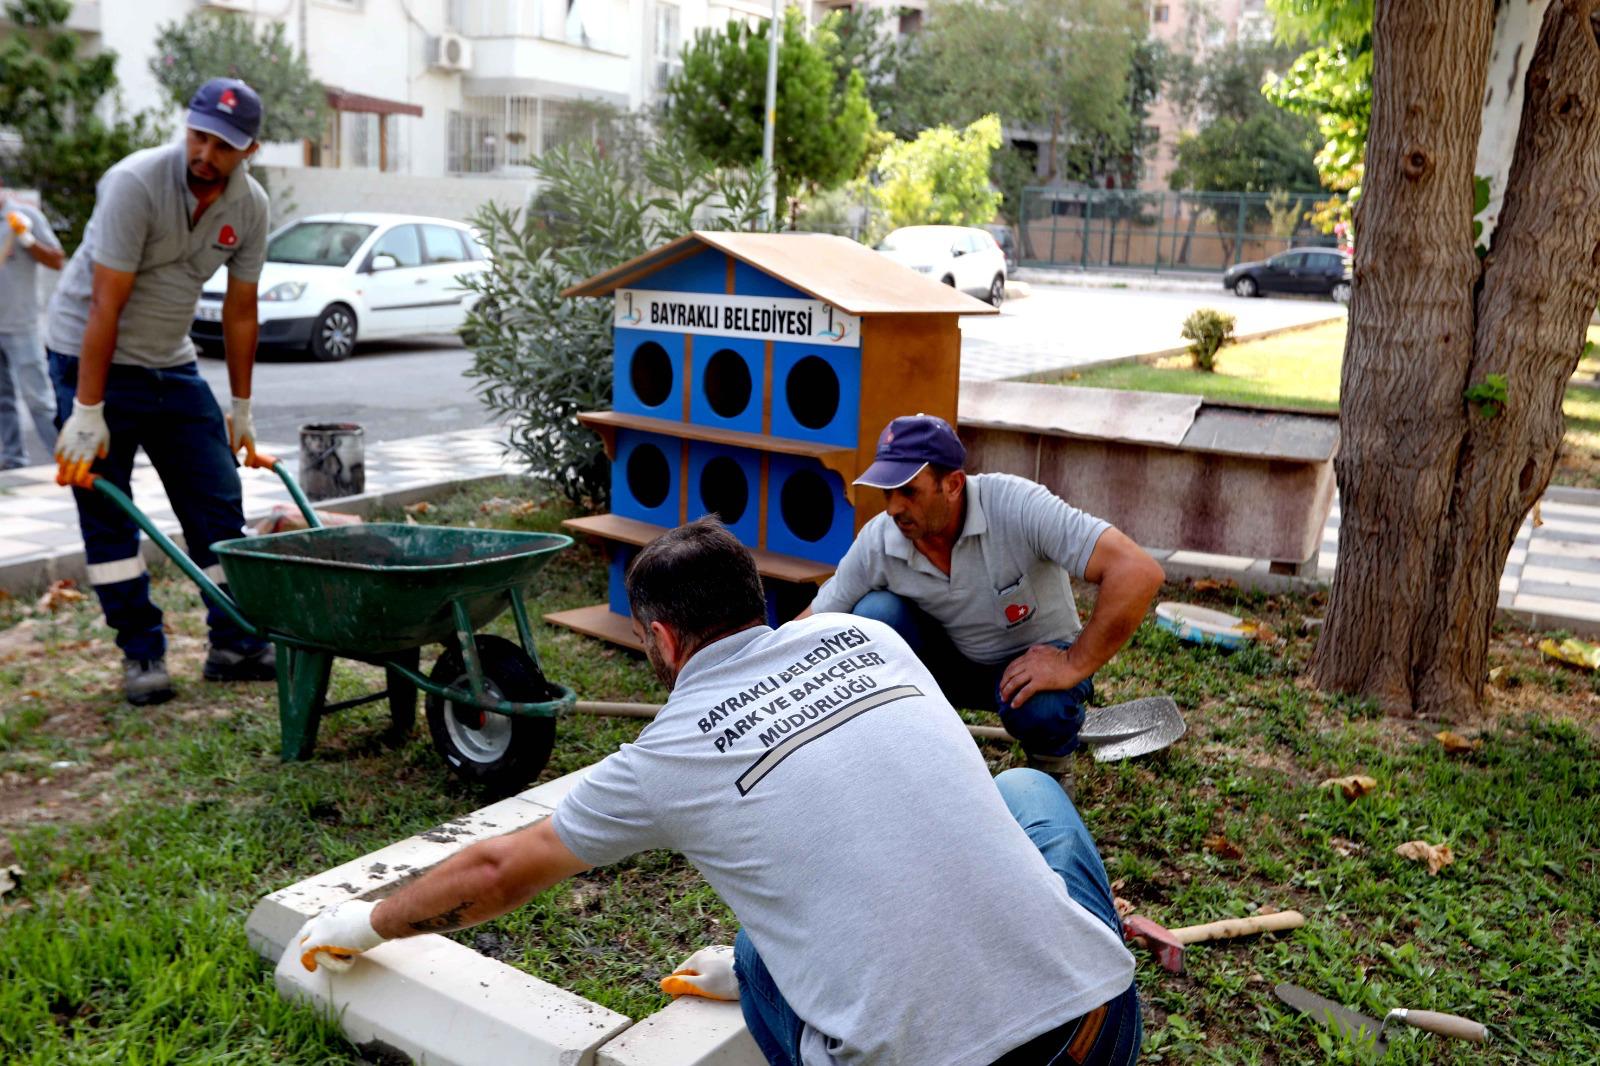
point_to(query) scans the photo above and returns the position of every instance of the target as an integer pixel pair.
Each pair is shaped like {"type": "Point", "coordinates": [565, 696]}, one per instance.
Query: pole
{"type": "Point", "coordinates": [772, 111]}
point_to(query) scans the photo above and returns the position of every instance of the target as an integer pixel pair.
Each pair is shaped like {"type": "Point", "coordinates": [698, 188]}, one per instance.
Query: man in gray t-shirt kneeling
{"type": "Point", "coordinates": [898, 905]}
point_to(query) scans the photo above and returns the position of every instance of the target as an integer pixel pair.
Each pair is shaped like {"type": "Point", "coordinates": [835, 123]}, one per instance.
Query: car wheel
{"type": "Point", "coordinates": [997, 290]}
{"type": "Point", "coordinates": [333, 337]}
{"type": "Point", "coordinates": [1341, 292]}
{"type": "Point", "coordinates": [950, 281]}
{"type": "Point", "coordinates": [1246, 287]}
{"type": "Point", "coordinates": [210, 349]}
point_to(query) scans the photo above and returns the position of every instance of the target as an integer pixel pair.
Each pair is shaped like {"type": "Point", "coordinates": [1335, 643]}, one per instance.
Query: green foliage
{"type": "Point", "coordinates": [863, 42]}
{"type": "Point", "coordinates": [1331, 83]}
{"type": "Point", "coordinates": [540, 357]}
{"type": "Point", "coordinates": [718, 101]}
{"type": "Point", "coordinates": [942, 177]}
{"type": "Point", "coordinates": [62, 106]}
{"type": "Point", "coordinates": [1488, 396]}
{"type": "Point", "coordinates": [1480, 203]}
{"type": "Point", "coordinates": [214, 44]}
{"type": "Point", "coordinates": [1207, 330]}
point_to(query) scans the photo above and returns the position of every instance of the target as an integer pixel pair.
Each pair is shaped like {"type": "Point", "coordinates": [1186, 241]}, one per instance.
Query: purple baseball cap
{"type": "Point", "coordinates": [228, 108]}
{"type": "Point", "coordinates": [908, 444]}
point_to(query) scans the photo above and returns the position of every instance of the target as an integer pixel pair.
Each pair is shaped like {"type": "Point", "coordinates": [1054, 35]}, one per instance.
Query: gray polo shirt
{"type": "Point", "coordinates": [825, 788]}
{"type": "Point", "coordinates": [143, 225]}
{"type": "Point", "coordinates": [1007, 589]}
{"type": "Point", "coordinates": [19, 270]}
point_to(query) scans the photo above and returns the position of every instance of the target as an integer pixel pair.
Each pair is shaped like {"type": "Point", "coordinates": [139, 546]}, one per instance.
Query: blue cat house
{"type": "Point", "coordinates": [752, 375]}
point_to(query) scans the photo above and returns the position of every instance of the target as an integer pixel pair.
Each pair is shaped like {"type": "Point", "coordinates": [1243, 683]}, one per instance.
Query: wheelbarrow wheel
{"type": "Point", "coordinates": [500, 751]}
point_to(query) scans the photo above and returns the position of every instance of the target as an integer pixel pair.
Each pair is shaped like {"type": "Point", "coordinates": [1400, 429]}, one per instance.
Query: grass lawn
{"type": "Point", "coordinates": [1300, 368]}
{"type": "Point", "coordinates": [146, 836]}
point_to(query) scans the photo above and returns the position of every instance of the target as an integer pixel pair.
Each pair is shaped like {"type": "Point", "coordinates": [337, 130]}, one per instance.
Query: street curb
{"type": "Point", "coordinates": [1137, 281]}
{"type": "Point", "coordinates": [34, 573]}
{"type": "Point", "coordinates": [1047, 376]}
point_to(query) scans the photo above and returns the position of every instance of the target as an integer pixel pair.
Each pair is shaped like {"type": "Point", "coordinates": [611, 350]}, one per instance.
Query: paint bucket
{"type": "Point", "coordinates": [332, 460]}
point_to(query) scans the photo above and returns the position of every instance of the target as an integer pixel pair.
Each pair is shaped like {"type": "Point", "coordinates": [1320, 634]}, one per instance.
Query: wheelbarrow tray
{"type": "Point", "coordinates": [380, 588]}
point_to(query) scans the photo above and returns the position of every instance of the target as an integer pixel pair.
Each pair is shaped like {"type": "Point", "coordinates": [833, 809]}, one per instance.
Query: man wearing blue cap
{"type": "Point", "coordinates": [972, 572]}
{"type": "Point", "coordinates": [125, 376]}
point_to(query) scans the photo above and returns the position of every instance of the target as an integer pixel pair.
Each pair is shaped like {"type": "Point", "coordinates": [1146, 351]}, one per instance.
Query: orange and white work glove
{"type": "Point", "coordinates": [336, 936]}
{"type": "Point", "coordinates": [22, 226]}
{"type": "Point", "coordinates": [708, 972]}
{"type": "Point", "coordinates": [242, 428]}
{"type": "Point", "coordinates": [83, 439]}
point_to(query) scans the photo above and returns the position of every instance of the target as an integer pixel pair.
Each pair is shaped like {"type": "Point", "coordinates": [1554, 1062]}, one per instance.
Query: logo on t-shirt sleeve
{"type": "Point", "coordinates": [227, 238]}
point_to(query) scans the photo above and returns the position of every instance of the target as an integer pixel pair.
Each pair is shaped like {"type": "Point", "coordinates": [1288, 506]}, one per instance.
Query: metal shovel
{"type": "Point", "coordinates": [1137, 727]}
{"type": "Point", "coordinates": [1369, 1031]}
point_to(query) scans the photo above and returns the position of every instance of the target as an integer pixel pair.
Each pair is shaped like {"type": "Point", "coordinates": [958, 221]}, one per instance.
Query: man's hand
{"type": "Point", "coordinates": [22, 226]}
{"type": "Point", "coordinates": [708, 972]}
{"type": "Point", "coordinates": [83, 439]}
{"type": "Point", "coordinates": [241, 428]}
{"type": "Point", "coordinates": [336, 936]}
{"type": "Point", "coordinates": [1042, 668]}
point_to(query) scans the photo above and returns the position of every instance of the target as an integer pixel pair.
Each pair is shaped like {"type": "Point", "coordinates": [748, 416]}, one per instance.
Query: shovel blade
{"type": "Point", "coordinates": [1137, 727]}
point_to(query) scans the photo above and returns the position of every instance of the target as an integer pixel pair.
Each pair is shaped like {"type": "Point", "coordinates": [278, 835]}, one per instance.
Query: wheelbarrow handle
{"type": "Point", "coordinates": [261, 460]}
{"type": "Point", "coordinates": [96, 483]}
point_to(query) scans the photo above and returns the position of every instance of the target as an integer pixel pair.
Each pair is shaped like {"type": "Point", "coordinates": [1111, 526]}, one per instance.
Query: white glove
{"type": "Point", "coordinates": [708, 972]}
{"type": "Point", "coordinates": [241, 428]}
{"type": "Point", "coordinates": [22, 226]}
{"type": "Point", "coordinates": [83, 439]}
{"type": "Point", "coordinates": [336, 936]}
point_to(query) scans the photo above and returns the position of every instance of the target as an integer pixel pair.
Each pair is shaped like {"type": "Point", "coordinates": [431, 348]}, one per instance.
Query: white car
{"type": "Point", "coordinates": [963, 257]}
{"type": "Point", "coordinates": [330, 279]}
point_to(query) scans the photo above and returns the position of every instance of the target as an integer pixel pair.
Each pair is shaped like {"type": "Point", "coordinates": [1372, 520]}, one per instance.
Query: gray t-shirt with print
{"type": "Point", "coordinates": [823, 786]}
{"type": "Point", "coordinates": [1007, 589]}
{"type": "Point", "coordinates": [19, 270]}
{"type": "Point", "coordinates": [143, 224]}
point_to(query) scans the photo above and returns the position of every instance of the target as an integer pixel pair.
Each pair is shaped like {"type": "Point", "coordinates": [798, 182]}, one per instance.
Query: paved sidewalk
{"type": "Point", "coordinates": [39, 539]}
{"type": "Point", "coordinates": [1552, 578]}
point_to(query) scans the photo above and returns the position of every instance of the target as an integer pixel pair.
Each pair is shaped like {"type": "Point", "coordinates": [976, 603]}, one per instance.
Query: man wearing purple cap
{"type": "Point", "coordinates": [125, 376]}
{"type": "Point", "coordinates": [973, 573]}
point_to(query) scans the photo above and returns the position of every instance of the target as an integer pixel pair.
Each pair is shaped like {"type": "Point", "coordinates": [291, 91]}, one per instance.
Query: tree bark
{"type": "Point", "coordinates": [1409, 344]}
{"type": "Point", "coordinates": [1434, 488]}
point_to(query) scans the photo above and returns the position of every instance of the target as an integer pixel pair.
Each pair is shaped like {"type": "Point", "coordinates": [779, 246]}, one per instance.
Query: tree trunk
{"type": "Point", "coordinates": [1433, 488]}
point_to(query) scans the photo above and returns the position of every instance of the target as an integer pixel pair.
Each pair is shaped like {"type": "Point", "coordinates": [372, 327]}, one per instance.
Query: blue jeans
{"type": "Point", "coordinates": [1047, 724]}
{"type": "Point", "coordinates": [1042, 808]}
{"type": "Point", "coordinates": [172, 415]}
{"type": "Point", "coordinates": [23, 375]}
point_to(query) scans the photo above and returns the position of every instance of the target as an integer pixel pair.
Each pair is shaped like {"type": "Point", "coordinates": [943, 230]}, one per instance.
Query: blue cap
{"type": "Point", "coordinates": [908, 444]}
{"type": "Point", "coordinates": [228, 108]}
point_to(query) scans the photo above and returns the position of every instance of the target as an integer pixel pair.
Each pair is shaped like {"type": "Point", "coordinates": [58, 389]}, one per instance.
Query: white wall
{"type": "Point", "coordinates": [301, 191]}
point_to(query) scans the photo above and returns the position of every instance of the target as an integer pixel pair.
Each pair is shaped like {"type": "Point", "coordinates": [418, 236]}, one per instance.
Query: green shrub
{"type": "Point", "coordinates": [1207, 330]}
{"type": "Point", "coordinates": [540, 358]}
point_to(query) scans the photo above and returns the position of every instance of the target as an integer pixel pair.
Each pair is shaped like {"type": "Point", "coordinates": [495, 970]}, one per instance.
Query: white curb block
{"type": "Point", "coordinates": [439, 1002]}
{"type": "Point", "coordinates": [690, 1032]}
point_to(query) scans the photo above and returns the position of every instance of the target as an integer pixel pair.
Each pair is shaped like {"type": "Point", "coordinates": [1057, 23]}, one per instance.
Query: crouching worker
{"type": "Point", "coordinates": [898, 904]}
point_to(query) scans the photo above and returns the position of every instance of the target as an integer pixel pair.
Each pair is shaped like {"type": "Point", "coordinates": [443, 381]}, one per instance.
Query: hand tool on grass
{"type": "Point", "coordinates": [1168, 944]}
{"type": "Point", "coordinates": [1362, 1029]}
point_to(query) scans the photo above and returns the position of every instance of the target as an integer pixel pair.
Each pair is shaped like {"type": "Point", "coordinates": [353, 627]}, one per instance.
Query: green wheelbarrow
{"type": "Point", "coordinates": [377, 593]}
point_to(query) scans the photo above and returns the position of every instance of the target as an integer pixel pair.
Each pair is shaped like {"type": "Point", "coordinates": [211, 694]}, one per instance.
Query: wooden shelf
{"type": "Point", "coordinates": [598, 621]}
{"type": "Point", "coordinates": [768, 564]}
{"type": "Point", "coordinates": [840, 458]}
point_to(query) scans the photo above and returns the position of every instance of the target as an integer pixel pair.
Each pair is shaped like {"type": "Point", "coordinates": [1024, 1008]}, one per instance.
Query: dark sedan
{"type": "Point", "coordinates": [1310, 271]}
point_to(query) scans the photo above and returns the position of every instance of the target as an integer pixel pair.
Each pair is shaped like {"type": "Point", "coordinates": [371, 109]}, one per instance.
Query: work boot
{"type": "Point", "coordinates": [223, 664]}
{"type": "Point", "coordinates": [145, 682]}
{"type": "Point", "coordinates": [1058, 767]}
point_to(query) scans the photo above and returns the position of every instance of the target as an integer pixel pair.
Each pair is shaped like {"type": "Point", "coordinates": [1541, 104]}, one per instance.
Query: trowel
{"type": "Point", "coordinates": [1369, 1032]}
{"type": "Point", "coordinates": [1138, 727]}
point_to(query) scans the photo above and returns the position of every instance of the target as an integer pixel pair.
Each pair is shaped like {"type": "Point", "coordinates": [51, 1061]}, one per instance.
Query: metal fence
{"type": "Point", "coordinates": [1194, 231]}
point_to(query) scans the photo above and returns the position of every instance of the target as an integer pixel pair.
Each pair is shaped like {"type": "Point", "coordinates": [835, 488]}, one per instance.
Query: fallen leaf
{"type": "Point", "coordinates": [1437, 856]}
{"type": "Point", "coordinates": [1347, 848]}
{"type": "Point", "coordinates": [59, 594]}
{"type": "Point", "coordinates": [1354, 787]}
{"type": "Point", "coordinates": [1221, 846]}
{"type": "Point", "coordinates": [1572, 651]}
{"type": "Point", "coordinates": [1538, 519]}
{"type": "Point", "coordinates": [1456, 744]}
{"type": "Point", "coordinates": [1499, 677]}
{"type": "Point", "coordinates": [10, 877]}
{"type": "Point", "coordinates": [422, 507]}
{"type": "Point", "coordinates": [1124, 908]}
{"type": "Point", "coordinates": [1208, 584]}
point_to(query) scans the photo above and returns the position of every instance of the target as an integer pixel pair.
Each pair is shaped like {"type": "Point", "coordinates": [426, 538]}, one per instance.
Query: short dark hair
{"type": "Point", "coordinates": [699, 581]}
{"type": "Point", "coordinates": [941, 472]}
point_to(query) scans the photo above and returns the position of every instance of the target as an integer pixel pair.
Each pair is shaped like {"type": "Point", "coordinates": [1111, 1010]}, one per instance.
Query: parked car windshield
{"type": "Point", "coordinates": [318, 243]}
{"type": "Point", "coordinates": [918, 240]}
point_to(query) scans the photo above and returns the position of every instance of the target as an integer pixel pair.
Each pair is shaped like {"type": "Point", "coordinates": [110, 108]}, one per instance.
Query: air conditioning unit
{"type": "Point", "coordinates": [450, 51]}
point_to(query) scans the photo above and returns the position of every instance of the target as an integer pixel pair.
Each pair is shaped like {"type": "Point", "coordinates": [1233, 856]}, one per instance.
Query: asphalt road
{"type": "Point", "coordinates": [414, 388]}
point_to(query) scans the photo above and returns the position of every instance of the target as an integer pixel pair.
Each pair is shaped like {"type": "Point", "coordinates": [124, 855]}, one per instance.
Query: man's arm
{"type": "Point", "coordinates": [858, 573]}
{"type": "Point", "coordinates": [241, 327]}
{"type": "Point", "coordinates": [486, 880]}
{"type": "Point", "coordinates": [1128, 579]}
{"type": "Point", "coordinates": [107, 298]}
